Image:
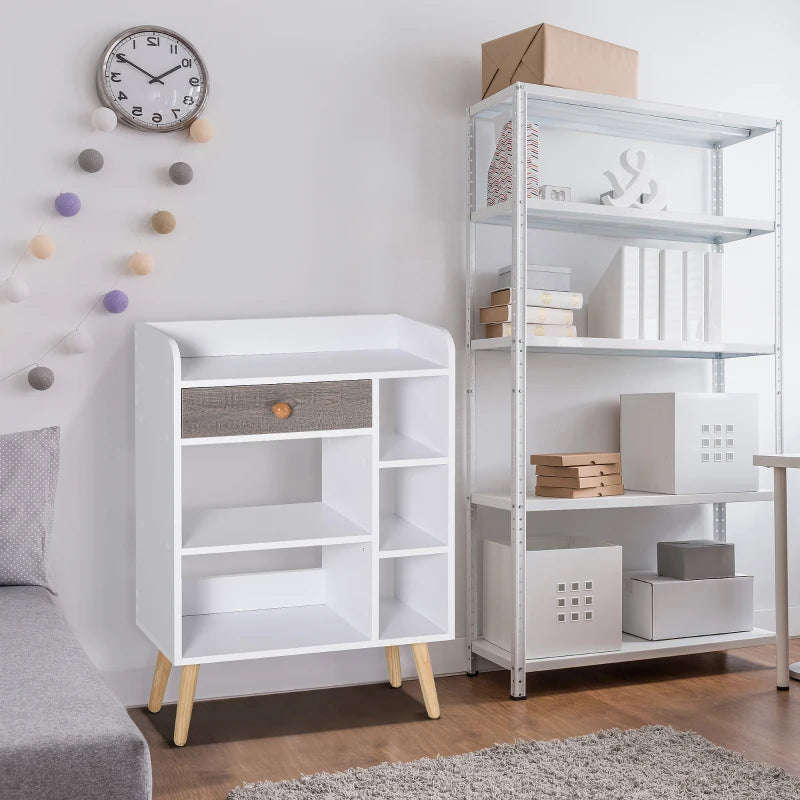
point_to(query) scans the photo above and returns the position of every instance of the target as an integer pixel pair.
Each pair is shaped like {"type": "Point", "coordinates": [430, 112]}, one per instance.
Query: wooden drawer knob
{"type": "Point", "coordinates": [282, 410]}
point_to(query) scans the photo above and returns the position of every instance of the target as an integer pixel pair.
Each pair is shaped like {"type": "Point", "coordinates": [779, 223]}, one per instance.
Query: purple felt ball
{"type": "Point", "coordinates": [68, 204]}
{"type": "Point", "coordinates": [115, 301]}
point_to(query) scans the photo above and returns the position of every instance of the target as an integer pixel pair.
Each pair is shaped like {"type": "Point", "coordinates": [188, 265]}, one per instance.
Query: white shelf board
{"type": "Point", "coordinates": [627, 500]}
{"type": "Point", "coordinates": [397, 450]}
{"type": "Point", "coordinates": [633, 649]}
{"type": "Point", "coordinates": [399, 621]}
{"type": "Point", "coordinates": [628, 347]}
{"type": "Point", "coordinates": [628, 117]}
{"type": "Point", "coordinates": [400, 538]}
{"type": "Point", "coordinates": [780, 460]}
{"type": "Point", "coordinates": [232, 530]}
{"type": "Point", "coordinates": [272, 437]}
{"type": "Point", "coordinates": [639, 223]}
{"type": "Point", "coordinates": [268, 632]}
{"type": "Point", "coordinates": [298, 367]}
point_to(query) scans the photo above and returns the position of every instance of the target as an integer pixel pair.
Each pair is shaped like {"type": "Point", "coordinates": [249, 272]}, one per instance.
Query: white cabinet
{"type": "Point", "coordinates": [294, 490]}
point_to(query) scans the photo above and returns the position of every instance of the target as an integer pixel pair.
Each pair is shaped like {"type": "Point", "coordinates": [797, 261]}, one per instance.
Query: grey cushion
{"type": "Point", "coordinates": [63, 734]}
{"type": "Point", "coordinates": [28, 477]}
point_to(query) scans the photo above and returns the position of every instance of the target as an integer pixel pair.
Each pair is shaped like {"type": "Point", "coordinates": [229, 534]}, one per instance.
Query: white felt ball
{"type": "Point", "coordinates": [79, 341]}
{"type": "Point", "coordinates": [16, 290]}
{"type": "Point", "coordinates": [104, 119]}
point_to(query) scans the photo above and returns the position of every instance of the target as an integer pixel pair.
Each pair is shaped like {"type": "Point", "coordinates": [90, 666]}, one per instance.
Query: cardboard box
{"type": "Point", "coordinates": [688, 443]}
{"type": "Point", "coordinates": [696, 560]}
{"type": "Point", "coordinates": [573, 599]}
{"type": "Point", "coordinates": [576, 494]}
{"type": "Point", "coordinates": [554, 56]}
{"type": "Point", "coordinates": [574, 459]}
{"type": "Point", "coordinates": [654, 607]}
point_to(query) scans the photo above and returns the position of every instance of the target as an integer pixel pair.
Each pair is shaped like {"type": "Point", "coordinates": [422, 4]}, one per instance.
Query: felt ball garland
{"type": "Point", "coordinates": [91, 160]}
{"type": "Point", "coordinates": [41, 378]}
{"type": "Point", "coordinates": [42, 246]}
{"type": "Point", "coordinates": [104, 119]}
{"type": "Point", "coordinates": [68, 204]}
{"type": "Point", "coordinates": [115, 301]}
{"type": "Point", "coordinates": [163, 222]}
{"type": "Point", "coordinates": [141, 263]}
{"type": "Point", "coordinates": [15, 289]}
{"type": "Point", "coordinates": [79, 341]}
{"type": "Point", "coordinates": [181, 173]}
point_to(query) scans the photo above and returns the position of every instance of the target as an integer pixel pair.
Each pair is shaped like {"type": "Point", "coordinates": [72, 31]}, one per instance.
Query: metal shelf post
{"type": "Point", "coordinates": [519, 271]}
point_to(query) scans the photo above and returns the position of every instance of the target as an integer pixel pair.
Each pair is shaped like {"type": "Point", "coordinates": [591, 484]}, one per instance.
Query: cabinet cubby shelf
{"type": "Point", "coordinates": [236, 635]}
{"type": "Point", "coordinates": [274, 527]}
{"type": "Point", "coordinates": [626, 500]}
{"type": "Point", "coordinates": [400, 621]}
{"type": "Point", "coordinates": [600, 220]}
{"type": "Point", "coordinates": [400, 538]}
{"type": "Point", "coordinates": [627, 347]}
{"type": "Point", "coordinates": [633, 649]}
{"type": "Point", "coordinates": [398, 451]}
{"type": "Point", "coordinates": [297, 367]}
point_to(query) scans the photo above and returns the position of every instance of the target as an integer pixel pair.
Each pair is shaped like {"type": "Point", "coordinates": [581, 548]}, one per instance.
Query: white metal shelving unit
{"type": "Point", "coordinates": [632, 119]}
{"type": "Point", "coordinates": [351, 549]}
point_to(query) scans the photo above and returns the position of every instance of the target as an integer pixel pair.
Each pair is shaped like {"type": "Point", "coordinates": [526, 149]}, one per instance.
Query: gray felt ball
{"type": "Point", "coordinates": [181, 173]}
{"type": "Point", "coordinates": [91, 160]}
{"type": "Point", "coordinates": [41, 378]}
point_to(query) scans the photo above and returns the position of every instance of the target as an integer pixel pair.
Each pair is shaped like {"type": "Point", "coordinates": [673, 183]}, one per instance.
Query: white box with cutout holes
{"type": "Point", "coordinates": [574, 596]}
{"type": "Point", "coordinates": [689, 443]}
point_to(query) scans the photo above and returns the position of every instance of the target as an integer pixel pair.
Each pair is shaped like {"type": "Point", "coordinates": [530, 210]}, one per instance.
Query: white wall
{"type": "Point", "coordinates": [335, 185]}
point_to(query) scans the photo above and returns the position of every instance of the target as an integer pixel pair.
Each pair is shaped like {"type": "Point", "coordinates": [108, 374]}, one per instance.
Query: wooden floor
{"type": "Point", "coordinates": [728, 697]}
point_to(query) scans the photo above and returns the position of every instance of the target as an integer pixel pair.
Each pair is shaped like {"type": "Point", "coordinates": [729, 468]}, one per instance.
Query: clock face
{"type": "Point", "coordinates": [153, 79]}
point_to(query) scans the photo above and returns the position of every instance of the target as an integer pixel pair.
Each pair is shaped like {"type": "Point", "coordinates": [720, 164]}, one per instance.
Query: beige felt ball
{"type": "Point", "coordinates": [141, 263]}
{"type": "Point", "coordinates": [163, 222]}
{"type": "Point", "coordinates": [42, 246]}
{"type": "Point", "coordinates": [201, 130]}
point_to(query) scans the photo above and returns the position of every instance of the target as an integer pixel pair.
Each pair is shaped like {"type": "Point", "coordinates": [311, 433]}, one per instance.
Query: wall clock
{"type": "Point", "coordinates": [153, 79]}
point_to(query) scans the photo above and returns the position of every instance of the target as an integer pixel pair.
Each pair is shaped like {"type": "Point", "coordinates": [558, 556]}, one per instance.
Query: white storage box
{"type": "Point", "coordinates": [654, 607]}
{"type": "Point", "coordinates": [574, 596]}
{"type": "Point", "coordinates": [549, 279]}
{"type": "Point", "coordinates": [685, 443]}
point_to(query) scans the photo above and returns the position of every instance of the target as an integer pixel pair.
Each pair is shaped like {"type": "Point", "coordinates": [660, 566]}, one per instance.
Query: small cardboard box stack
{"type": "Point", "coordinates": [578, 474]}
{"type": "Point", "coordinates": [554, 56]}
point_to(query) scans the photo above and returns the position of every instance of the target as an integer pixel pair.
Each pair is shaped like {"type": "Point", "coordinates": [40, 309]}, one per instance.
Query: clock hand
{"type": "Point", "coordinates": [135, 66]}
{"type": "Point", "coordinates": [164, 74]}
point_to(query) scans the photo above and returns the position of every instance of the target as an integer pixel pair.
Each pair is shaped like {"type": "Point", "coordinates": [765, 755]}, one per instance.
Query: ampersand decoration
{"type": "Point", "coordinates": [641, 191]}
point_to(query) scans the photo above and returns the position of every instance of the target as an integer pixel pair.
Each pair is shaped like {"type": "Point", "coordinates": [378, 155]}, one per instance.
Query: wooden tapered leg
{"type": "Point", "coordinates": [422, 660]}
{"type": "Point", "coordinates": [393, 662]}
{"type": "Point", "coordinates": [185, 702]}
{"type": "Point", "coordinates": [160, 678]}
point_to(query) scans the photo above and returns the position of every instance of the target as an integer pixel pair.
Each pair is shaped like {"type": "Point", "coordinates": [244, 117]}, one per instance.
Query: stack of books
{"type": "Point", "coordinates": [578, 474]}
{"type": "Point", "coordinates": [549, 310]}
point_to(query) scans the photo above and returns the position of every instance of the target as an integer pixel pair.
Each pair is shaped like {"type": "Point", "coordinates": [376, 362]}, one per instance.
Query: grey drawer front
{"type": "Point", "coordinates": [246, 410]}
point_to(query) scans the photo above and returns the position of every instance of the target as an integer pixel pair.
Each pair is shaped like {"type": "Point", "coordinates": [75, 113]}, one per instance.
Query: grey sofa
{"type": "Point", "coordinates": [63, 734]}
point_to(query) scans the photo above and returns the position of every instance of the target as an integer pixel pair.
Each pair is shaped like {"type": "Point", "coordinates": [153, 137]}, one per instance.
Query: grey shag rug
{"type": "Point", "coordinates": [651, 763]}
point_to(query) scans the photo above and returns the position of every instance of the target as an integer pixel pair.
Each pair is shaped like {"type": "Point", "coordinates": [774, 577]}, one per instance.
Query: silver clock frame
{"type": "Point", "coordinates": [107, 99]}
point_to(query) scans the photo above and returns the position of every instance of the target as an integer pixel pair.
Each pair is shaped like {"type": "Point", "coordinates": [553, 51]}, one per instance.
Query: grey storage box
{"type": "Point", "coordinates": [696, 559]}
